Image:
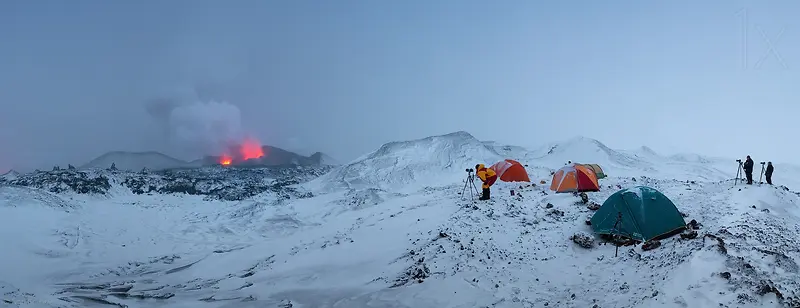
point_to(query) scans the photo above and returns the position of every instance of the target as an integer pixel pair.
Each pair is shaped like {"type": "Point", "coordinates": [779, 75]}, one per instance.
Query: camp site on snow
{"type": "Point", "coordinates": [638, 214]}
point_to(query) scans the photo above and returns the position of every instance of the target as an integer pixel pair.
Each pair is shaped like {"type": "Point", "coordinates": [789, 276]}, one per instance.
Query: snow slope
{"type": "Point", "coordinates": [409, 165]}
{"type": "Point", "coordinates": [9, 176]}
{"type": "Point", "coordinates": [382, 240]}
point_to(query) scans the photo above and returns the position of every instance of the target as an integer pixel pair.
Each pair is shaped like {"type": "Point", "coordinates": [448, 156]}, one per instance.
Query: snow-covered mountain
{"type": "Point", "coordinates": [390, 229]}
{"type": "Point", "coordinates": [9, 176]}
{"type": "Point", "coordinates": [412, 164]}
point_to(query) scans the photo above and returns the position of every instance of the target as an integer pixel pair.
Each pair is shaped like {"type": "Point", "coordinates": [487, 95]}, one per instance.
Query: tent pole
{"type": "Point", "coordinates": [619, 218]}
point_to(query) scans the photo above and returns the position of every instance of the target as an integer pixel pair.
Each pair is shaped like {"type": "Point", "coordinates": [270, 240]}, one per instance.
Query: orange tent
{"type": "Point", "coordinates": [574, 178]}
{"type": "Point", "coordinates": [510, 171]}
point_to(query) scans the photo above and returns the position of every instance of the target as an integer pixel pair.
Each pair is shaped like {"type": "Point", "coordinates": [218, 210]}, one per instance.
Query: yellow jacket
{"type": "Point", "coordinates": [487, 176]}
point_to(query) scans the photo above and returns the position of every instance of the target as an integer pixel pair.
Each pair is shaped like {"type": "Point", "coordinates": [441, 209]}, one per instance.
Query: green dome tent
{"type": "Point", "coordinates": [640, 213]}
{"type": "Point", "coordinates": [597, 170]}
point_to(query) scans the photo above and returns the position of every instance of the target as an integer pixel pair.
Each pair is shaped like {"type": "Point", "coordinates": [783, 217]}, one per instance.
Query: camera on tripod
{"type": "Point", "coordinates": [469, 183]}
{"type": "Point", "coordinates": [739, 160]}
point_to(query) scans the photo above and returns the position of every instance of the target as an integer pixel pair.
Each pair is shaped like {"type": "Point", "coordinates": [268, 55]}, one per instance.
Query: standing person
{"type": "Point", "coordinates": [748, 169]}
{"type": "Point", "coordinates": [488, 177]}
{"type": "Point", "coordinates": [768, 173]}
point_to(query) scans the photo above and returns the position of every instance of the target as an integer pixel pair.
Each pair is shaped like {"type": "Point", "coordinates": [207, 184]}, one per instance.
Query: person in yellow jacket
{"type": "Point", "coordinates": [488, 177]}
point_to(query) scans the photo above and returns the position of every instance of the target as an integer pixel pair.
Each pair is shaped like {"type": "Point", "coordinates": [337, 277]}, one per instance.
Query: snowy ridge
{"type": "Point", "coordinates": [632, 163]}
{"type": "Point", "coordinates": [432, 161]}
{"type": "Point", "coordinates": [590, 151]}
{"type": "Point", "coordinates": [648, 151]}
{"type": "Point", "coordinates": [9, 176]}
{"type": "Point", "coordinates": [509, 151]}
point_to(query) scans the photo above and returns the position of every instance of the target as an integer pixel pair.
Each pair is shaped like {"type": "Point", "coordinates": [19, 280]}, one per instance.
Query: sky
{"type": "Point", "coordinates": [80, 78]}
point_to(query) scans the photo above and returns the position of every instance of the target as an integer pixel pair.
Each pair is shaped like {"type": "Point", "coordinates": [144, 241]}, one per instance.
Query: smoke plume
{"type": "Point", "coordinates": [207, 128]}
{"type": "Point", "coordinates": [196, 127]}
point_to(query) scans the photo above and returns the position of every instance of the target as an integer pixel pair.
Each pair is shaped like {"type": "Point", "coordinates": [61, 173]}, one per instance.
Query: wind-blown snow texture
{"type": "Point", "coordinates": [392, 230]}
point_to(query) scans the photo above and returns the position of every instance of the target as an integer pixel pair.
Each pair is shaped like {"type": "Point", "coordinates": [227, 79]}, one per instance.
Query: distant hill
{"type": "Point", "coordinates": [323, 159]}
{"type": "Point", "coordinates": [135, 161]}
{"type": "Point", "coordinates": [9, 176]}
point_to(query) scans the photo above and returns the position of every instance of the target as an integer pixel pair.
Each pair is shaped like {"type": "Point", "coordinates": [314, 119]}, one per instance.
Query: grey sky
{"type": "Point", "coordinates": [344, 77]}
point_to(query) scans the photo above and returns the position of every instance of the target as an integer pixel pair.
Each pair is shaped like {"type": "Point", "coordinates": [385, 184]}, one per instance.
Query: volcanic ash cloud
{"type": "Point", "coordinates": [210, 128]}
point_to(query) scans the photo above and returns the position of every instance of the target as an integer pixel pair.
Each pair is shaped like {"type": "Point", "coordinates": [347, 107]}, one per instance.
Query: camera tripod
{"type": "Point", "coordinates": [470, 180]}
{"type": "Point", "coordinates": [739, 172]}
{"type": "Point", "coordinates": [762, 173]}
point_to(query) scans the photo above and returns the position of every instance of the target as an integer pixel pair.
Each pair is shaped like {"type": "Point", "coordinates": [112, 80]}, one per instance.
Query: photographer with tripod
{"type": "Point", "coordinates": [488, 177]}
{"type": "Point", "coordinates": [748, 169]}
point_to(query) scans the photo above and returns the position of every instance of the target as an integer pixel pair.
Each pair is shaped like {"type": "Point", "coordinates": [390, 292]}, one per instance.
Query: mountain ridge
{"type": "Point", "coordinates": [154, 160]}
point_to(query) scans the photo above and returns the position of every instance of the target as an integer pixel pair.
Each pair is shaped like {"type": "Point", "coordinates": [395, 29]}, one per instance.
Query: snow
{"type": "Point", "coordinates": [391, 229]}
{"type": "Point", "coordinates": [409, 165]}
{"type": "Point", "coordinates": [636, 191]}
{"type": "Point", "coordinates": [10, 175]}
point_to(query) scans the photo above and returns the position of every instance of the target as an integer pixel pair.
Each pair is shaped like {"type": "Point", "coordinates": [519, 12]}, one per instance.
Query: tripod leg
{"type": "Point", "coordinates": [739, 172]}
{"type": "Point", "coordinates": [463, 190]}
{"type": "Point", "coordinates": [471, 191]}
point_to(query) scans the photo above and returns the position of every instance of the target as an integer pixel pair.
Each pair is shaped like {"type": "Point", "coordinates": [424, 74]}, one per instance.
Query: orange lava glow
{"type": "Point", "coordinates": [250, 149]}
{"type": "Point", "coordinates": [225, 160]}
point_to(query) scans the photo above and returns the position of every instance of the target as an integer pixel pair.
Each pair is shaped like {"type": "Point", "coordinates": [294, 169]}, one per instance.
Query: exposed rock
{"type": "Point", "coordinates": [583, 239]}
{"type": "Point", "coordinates": [651, 245]}
{"type": "Point", "coordinates": [215, 183]}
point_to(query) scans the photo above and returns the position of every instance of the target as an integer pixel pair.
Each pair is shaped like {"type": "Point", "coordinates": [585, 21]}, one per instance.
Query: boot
{"type": "Point", "coordinates": [485, 195]}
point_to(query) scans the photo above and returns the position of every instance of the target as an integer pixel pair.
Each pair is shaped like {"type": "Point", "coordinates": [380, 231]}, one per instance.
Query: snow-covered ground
{"type": "Point", "coordinates": [391, 229]}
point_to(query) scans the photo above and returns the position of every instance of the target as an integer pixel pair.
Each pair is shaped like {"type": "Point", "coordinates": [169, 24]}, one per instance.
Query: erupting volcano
{"type": "Point", "coordinates": [248, 149]}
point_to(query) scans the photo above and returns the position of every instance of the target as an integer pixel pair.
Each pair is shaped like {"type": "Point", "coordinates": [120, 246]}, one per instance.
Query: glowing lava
{"type": "Point", "coordinates": [225, 160]}
{"type": "Point", "coordinates": [250, 149]}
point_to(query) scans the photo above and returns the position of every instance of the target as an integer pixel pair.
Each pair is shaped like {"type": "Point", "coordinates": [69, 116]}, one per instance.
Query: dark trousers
{"type": "Point", "coordinates": [486, 194]}
{"type": "Point", "coordinates": [769, 179]}
{"type": "Point", "coordinates": [749, 176]}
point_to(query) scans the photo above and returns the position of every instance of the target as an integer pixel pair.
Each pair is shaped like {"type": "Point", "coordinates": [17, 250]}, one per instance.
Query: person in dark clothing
{"type": "Point", "coordinates": [748, 169]}
{"type": "Point", "coordinates": [768, 173]}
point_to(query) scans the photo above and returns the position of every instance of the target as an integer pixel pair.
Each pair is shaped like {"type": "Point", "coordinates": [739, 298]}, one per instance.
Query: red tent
{"type": "Point", "coordinates": [510, 171]}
